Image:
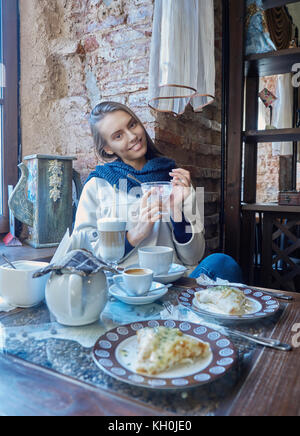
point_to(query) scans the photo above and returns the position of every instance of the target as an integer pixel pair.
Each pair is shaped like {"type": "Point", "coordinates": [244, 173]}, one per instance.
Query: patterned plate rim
{"type": "Point", "coordinates": [269, 304]}
{"type": "Point", "coordinates": [223, 352]}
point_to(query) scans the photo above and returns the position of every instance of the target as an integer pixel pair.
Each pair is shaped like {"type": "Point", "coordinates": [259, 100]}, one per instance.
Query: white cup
{"type": "Point", "coordinates": [18, 287]}
{"type": "Point", "coordinates": [158, 259]}
{"type": "Point", "coordinates": [136, 281]}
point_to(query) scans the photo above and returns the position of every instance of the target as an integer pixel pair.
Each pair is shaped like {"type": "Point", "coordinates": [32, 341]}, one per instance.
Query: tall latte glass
{"type": "Point", "coordinates": [112, 241]}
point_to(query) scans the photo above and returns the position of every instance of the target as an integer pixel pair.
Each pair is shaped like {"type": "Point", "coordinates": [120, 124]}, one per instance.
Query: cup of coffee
{"type": "Point", "coordinates": [135, 281]}
{"type": "Point", "coordinates": [18, 287]}
{"type": "Point", "coordinates": [158, 259]}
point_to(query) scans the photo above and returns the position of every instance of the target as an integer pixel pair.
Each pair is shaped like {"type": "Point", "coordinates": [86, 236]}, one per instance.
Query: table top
{"type": "Point", "coordinates": [47, 369]}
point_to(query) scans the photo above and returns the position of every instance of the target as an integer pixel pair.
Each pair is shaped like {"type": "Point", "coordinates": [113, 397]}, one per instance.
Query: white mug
{"type": "Point", "coordinates": [135, 281]}
{"type": "Point", "coordinates": [158, 259]}
{"type": "Point", "coordinates": [18, 287]}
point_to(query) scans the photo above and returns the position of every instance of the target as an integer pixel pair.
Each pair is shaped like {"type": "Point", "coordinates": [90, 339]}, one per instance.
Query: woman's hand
{"type": "Point", "coordinates": [182, 184]}
{"type": "Point", "coordinates": [150, 213]}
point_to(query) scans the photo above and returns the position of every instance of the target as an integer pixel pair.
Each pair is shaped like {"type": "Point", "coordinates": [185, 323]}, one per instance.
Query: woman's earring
{"type": "Point", "coordinates": [109, 152]}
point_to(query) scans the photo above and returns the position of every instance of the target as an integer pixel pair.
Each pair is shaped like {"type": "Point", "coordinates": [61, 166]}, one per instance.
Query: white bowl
{"type": "Point", "coordinates": [18, 287]}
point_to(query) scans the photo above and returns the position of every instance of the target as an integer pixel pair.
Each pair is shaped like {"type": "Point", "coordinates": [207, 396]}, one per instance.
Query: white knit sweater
{"type": "Point", "coordinates": [97, 201]}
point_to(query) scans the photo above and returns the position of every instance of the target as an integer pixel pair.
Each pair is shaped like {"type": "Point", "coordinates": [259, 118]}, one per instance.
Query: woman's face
{"type": "Point", "coordinates": [124, 137]}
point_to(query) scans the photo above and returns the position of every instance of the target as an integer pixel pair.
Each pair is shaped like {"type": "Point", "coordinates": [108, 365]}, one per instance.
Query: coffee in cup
{"type": "Point", "coordinates": [158, 259]}
{"type": "Point", "coordinates": [135, 281]}
{"type": "Point", "coordinates": [136, 272]}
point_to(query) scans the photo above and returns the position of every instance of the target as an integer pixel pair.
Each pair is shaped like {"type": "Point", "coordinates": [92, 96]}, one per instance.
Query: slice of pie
{"type": "Point", "coordinates": [162, 348]}
{"type": "Point", "coordinates": [224, 299]}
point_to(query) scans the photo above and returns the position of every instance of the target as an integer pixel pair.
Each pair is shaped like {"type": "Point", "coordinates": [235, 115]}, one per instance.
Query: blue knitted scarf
{"type": "Point", "coordinates": [155, 170]}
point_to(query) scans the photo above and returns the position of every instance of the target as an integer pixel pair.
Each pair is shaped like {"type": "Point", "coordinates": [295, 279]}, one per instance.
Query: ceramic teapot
{"type": "Point", "coordinates": [75, 300]}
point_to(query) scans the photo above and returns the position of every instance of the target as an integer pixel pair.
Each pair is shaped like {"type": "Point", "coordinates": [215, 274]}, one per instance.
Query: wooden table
{"type": "Point", "coordinates": [270, 384]}
{"type": "Point", "coordinates": [26, 252]}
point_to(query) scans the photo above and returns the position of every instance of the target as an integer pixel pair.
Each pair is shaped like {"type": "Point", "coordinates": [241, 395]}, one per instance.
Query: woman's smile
{"type": "Point", "coordinates": [137, 146]}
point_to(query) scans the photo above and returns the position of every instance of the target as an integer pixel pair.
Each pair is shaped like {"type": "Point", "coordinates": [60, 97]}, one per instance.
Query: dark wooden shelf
{"type": "Point", "coordinates": [269, 4]}
{"type": "Point", "coordinates": [272, 63]}
{"type": "Point", "coordinates": [269, 207]}
{"type": "Point", "coordinates": [278, 135]}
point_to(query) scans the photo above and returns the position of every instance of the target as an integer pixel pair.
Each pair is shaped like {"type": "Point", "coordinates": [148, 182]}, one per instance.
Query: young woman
{"type": "Point", "coordinates": [123, 143]}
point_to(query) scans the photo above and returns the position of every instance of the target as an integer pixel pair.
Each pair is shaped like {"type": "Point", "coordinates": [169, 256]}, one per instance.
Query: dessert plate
{"type": "Point", "coordinates": [263, 305]}
{"type": "Point", "coordinates": [116, 352]}
{"type": "Point", "coordinates": [176, 271]}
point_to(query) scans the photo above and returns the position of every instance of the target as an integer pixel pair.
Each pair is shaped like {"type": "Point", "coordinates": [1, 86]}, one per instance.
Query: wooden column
{"type": "Point", "coordinates": [250, 181]}
{"type": "Point", "coordinates": [10, 105]}
{"type": "Point", "coordinates": [250, 170]}
{"type": "Point", "coordinates": [234, 124]}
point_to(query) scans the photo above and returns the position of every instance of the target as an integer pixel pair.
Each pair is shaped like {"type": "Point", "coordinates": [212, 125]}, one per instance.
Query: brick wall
{"type": "Point", "coordinates": [75, 53]}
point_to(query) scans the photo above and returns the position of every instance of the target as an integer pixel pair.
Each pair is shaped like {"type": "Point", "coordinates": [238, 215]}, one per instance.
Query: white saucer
{"type": "Point", "coordinates": [176, 271]}
{"type": "Point", "coordinates": [148, 298]}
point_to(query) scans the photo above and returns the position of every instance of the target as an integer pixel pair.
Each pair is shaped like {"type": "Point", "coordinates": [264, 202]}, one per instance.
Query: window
{"type": "Point", "coordinates": [9, 122]}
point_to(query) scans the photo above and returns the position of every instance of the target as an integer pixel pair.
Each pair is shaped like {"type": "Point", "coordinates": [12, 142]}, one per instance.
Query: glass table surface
{"type": "Point", "coordinates": [35, 336]}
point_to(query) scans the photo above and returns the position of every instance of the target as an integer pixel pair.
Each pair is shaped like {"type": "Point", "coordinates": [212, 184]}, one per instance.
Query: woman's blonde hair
{"type": "Point", "coordinates": [98, 113]}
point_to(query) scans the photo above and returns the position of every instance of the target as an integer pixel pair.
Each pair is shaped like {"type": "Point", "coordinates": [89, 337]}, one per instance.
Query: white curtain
{"type": "Point", "coordinates": [182, 62]}
{"type": "Point", "coordinates": [283, 110]}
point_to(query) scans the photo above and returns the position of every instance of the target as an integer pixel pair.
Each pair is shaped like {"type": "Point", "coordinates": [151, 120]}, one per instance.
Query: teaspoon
{"type": "Point", "coordinates": [8, 261]}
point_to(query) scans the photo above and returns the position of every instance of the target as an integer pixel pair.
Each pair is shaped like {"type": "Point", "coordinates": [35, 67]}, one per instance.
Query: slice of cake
{"type": "Point", "coordinates": [225, 299]}
{"type": "Point", "coordinates": [162, 348]}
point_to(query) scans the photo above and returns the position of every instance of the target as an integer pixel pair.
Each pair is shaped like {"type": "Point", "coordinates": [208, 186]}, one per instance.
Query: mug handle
{"type": "Point", "coordinates": [75, 296]}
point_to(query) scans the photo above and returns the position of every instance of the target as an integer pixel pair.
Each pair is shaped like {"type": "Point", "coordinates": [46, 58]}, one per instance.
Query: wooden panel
{"type": "Point", "coordinates": [285, 173]}
{"type": "Point", "coordinates": [279, 251]}
{"type": "Point", "coordinates": [266, 256]}
{"type": "Point", "coordinates": [57, 395]}
{"type": "Point", "coordinates": [11, 117]}
{"type": "Point", "coordinates": [248, 246]}
{"type": "Point", "coordinates": [278, 135]}
{"type": "Point", "coordinates": [271, 207]}
{"type": "Point", "coordinates": [234, 131]}
{"type": "Point", "coordinates": [269, 4]}
{"type": "Point", "coordinates": [250, 164]}
{"type": "Point", "coordinates": [269, 64]}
